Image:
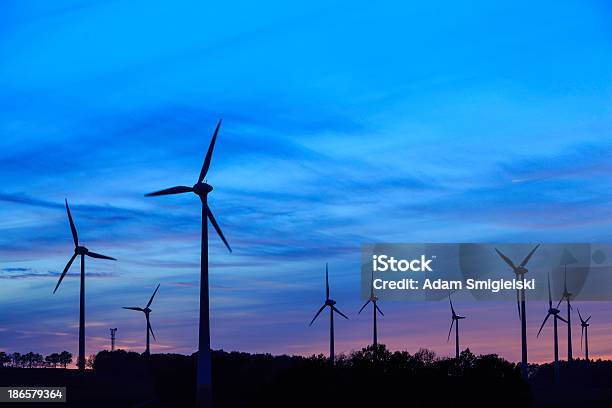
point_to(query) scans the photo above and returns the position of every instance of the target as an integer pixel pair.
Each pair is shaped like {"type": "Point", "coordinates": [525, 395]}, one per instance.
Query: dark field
{"type": "Point", "coordinates": [370, 377]}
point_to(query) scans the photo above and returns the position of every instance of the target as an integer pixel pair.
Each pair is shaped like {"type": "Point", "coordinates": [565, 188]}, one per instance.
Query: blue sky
{"type": "Point", "coordinates": [344, 123]}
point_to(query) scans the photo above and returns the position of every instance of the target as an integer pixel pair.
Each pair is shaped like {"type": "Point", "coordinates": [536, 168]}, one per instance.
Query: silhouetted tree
{"type": "Point", "coordinates": [17, 360]}
{"type": "Point", "coordinates": [32, 359]}
{"type": "Point", "coordinates": [65, 358]}
{"type": "Point", "coordinates": [52, 360]}
{"type": "Point", "coordinates": [5, 359]}
{"type": "Point", "coordinates": [90, 361]}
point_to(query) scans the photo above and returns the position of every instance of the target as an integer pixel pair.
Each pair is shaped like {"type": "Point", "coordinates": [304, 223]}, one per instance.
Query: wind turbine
{"type": "Point", "coordinates": [332, 308]}
{"type": "Point", "coordinates": [567, 258]}
{"type": "Point", "coordinates": [375, 309]}
{"type": "Point", "coordinates": [147, 311]}
{"type": "Point", "coordinates": [553, 311]}
{"type": "Point", "coordinates": [201, 189]}
{"type": "Point", "coordinates": [585, 333]}
{"type": "Point", "coordinates": [82, 251]}
{"type": "Point", "coordinates": [520, 272]}
{"type": "Point", "coordinates": [455, 318]}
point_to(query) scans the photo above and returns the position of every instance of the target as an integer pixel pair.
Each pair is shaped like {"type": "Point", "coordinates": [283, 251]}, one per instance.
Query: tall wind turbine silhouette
{"type": "Point", "coordinates": [567, 258]}
{"type": "Point", "coordinates": [585, 333]}
{"type": "Point", "coordinates": [147, 311]}
{"type": "Point", "coordinates": [553, 311]}
{"type": "Point", "coordinates": [332, 308]}
{"type": "Point", "coordinates": [201, 189]}
{"type": "Point", "coordinates": [375, 310]}
{"type": "Point", "coordinates": [520, 272]}
{"type": "Point", "coordinates": [455, 318]}
{"type": "Point", "coordinates": [82, 251]}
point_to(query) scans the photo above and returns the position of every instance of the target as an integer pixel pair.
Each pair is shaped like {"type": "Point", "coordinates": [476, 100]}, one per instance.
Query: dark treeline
{"type": "Point", "coordinates": [368, 377]}
{"type": "Point", "coordinates": [35, 360]}
{"type": "Point", "coordinates": [362, 378]}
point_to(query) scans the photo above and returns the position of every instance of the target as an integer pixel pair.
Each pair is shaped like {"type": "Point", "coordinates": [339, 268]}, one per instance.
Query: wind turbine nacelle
{"type": "Point", "coordinates": [147, 310]}
{"type": "Point", "coordinates": [374, 298]}
{"type": "Point", "coordinates": [330, 302]}
{"type": "Point", "coordinates": [520, 270]}
{"type": "Point", "coordinates": [202, 188]}
{"type": "Point", "coordinates": [81, 250]}
{"type": "Point", "coordinates": [554, 311]}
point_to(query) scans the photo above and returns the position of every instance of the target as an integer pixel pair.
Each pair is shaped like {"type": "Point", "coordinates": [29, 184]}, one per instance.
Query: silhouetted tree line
{"type": "Point", "coordinates": [373, 376]}
{"type": "Point", "coordinates": [35, 360]}
{"type": "Point", "coordinates": [370, 376]}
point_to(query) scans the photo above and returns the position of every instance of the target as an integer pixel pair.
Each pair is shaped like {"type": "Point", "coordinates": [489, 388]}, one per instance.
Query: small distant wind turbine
{"type": "Point", "coordinates": [201, 189]}
{"type": "Point", "coordinates": [520, 272]}
{"type": "Point", "coordinates": [567, 258]}
{"type": "Point", "coordinates": [332, 308]}
{"type": "Point", "coordinates": [585, 333]}
{"type": "Point", "coordinates": [375, 309]}
{"type": "Point", "coordinates": [147, 311]}
{"type": "Point", "coordinates": [553, 311]}
{"type": "Point", "coordinates": [455, 318]}
{"type": "Point", "coordinates": [82, 251]}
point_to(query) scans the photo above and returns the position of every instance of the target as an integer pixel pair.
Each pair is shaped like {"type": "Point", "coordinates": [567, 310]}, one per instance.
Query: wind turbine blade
{"type": "Point", "coordinates": [549, 295]}
{"type": "Point", "coordinates": [561, 318]}
{"type": "Point", "coordinates": [506, 259]}
{"type": "Point", "coordinates": [580, 316]}
{"type": "Point", "coordinates": [206, 164]}
{"type": "Point", "coordinates": [587, 320]}
{"type": "Point", "coordinates": [152, 296]}
{"type": "Point", "coordinates": [378, 308]}
{"type": "Point", "coordinates": [451, 305]}
{"type": "Point", "coordinates": [543, 323]}
{"type": "Point", "coordinates": [171, 190]}
{"type": "Point", "coordinates": [560, 300]}
{"type": "Point", "coordinates": [317, 315]}
{"type": "Point", "coordinates": [450, 330]}
{"type": "Point", "coordinates": [75, 236]}
{"type": "Point", "coordinates": [326, 282]}
{"type": "Point", "coordinates": [100, 256]}
{"type": "Point", "coordinates": [335, 309]}
{"type": "Point", "coordinates": [363, 307]}
{"type": "Point", "coordinates": [372, 285]}
{"type": "Point", "coordinates": [151, 330]}
{"type": "Point", "coordinates": [64, 272]}
{"type": "Point", "coordinates": [528, 257]}
{"type": "Point", "coordinates": [134, 308]}
{"type": "Point", "coordinates": [217, 228]}
{"type": "Point", "coordinates": [518, 303]}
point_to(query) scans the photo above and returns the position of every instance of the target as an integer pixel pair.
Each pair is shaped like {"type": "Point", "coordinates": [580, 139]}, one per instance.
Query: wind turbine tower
{"type": "Point", "coordinates": [147, 311]}
{"type": "Point", "coordinates": [520, 272]}
{"type": "Point", "coordinates": [201, 188]}
{"type": "Point", "coordinates": [332, 309]}
{"type": "Point", "coordinates": [567, 258]}
{"type": "Point", "coordinates": [375, 310]}
{"type": "Point", "coordinates": [584, 333]}
{"type": "Point", "coordinates": [82, 251]}
{"type": "Point", "coordinates": [455, 320]}
{"type": "Point", "coordinates": [553, 311]}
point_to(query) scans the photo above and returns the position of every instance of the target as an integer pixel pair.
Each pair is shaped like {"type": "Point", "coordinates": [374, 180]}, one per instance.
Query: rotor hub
{"type": "Point", "coordinates": [521, 270]}
{"type": "Point", "coordinates": [202, 188]}
{"type": "Point", "coordinates": [330, 302]}
{"type": "Point", "coordinates": [81, 250]}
